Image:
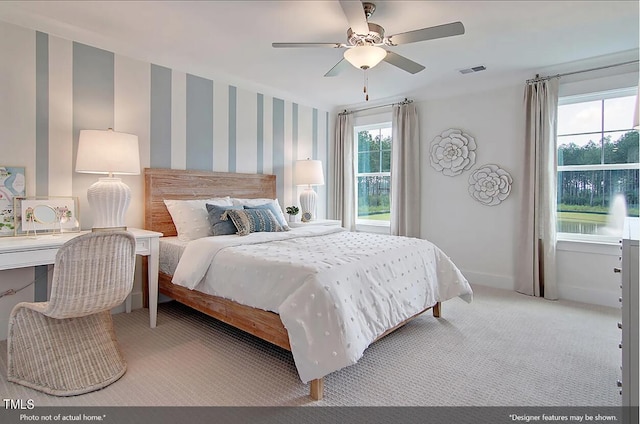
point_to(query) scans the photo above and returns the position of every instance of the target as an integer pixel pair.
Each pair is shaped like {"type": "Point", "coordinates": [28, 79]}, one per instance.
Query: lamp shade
{"type": "Point", "coordinates": [107, 152]}
{"type": "Point", "coordinates": [308, 172]}
{"type": "Point", "coordinates": [365, 57]}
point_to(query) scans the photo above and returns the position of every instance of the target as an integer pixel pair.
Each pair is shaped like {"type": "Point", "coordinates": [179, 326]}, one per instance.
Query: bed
{"type": "Point", "coordinates": [325, 325]}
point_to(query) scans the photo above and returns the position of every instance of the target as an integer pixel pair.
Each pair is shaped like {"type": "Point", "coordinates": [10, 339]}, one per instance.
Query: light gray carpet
{"type": "Point", "coordinates": [504, 349]}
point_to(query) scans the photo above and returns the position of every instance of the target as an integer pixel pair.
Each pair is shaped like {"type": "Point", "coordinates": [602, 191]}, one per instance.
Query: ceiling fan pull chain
{"type": "Point", "coordinates": [366, 83]}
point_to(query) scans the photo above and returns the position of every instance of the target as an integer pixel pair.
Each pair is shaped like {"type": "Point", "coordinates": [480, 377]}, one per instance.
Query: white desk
{"type": "Point", "coordinates": [21, 252]}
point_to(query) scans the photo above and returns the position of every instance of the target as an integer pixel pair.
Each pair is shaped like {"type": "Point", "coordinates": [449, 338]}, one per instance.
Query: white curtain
{"type": "Point", "coordinates": [536, 256]}
{"type": "Point", "coordinates": [344, 196]}
{"type": "Point", "coordinates": [405, 171]}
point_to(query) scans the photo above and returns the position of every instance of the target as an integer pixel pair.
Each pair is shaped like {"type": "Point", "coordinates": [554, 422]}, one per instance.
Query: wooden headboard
{"type": "Point", "coordinates": [161, 184]}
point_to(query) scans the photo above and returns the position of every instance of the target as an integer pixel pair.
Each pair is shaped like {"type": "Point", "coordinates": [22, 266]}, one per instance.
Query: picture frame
{"type": "Point", "coordinates": [12, 185]}
{"type": "Point", "coordinates": [46, 215]}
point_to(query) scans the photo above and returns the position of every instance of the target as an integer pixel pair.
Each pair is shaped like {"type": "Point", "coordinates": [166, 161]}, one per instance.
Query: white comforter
{"type": "Point", "coordinates": [335, 291]}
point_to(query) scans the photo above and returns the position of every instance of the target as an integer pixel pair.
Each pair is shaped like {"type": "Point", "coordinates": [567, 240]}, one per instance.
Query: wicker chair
{"type": "Point", "coordinates": [67, 346]}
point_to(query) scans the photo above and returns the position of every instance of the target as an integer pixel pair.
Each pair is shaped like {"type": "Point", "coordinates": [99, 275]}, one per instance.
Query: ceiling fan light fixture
{"type": "Point", "coordinates": [365, 57]}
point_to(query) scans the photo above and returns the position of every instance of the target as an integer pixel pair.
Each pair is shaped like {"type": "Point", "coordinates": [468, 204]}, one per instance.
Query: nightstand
{"type": "Point", "coordinates": [325, 222]}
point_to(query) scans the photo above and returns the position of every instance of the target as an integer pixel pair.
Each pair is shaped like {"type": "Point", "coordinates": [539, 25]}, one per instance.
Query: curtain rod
{"type": "Point", "coordinates": [404, 102]}
{"type": "Point", "coordinates": [539, 78]}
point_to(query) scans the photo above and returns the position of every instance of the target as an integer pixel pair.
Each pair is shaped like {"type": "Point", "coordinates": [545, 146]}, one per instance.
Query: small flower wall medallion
{"type": "Point", "coordinates": [490, 185]}
{"type": "Point", "coordinates": [453, 152]}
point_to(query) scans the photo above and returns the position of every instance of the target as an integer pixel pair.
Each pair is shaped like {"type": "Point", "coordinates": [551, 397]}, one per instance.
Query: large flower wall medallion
{"type": "Point", "coordinates": [453, 152]}
{"type": "Point", "coordinates": [490, 185]}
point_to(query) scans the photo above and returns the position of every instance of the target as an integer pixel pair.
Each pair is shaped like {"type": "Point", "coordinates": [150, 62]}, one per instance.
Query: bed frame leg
{"type": "Point", "coordinates": [436, 310]}
{"type": "Point", "coordinates": [317, 389]}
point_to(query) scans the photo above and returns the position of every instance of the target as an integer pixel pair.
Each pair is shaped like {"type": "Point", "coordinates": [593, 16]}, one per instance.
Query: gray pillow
{"type": "Point", "coordinates": [218, 226]}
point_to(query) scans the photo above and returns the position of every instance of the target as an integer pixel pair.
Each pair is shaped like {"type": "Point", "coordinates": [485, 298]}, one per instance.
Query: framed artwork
{"type": "Point", "coordinates": [12, 185]}
{"type": "Point", "coordinates": [45, 215]}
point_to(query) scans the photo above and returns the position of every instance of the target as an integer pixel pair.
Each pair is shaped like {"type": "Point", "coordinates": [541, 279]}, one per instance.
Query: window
{"type": "Point", "coordinates": [373, 173]}
{"type": "Point", "coordinates": [598, 162]}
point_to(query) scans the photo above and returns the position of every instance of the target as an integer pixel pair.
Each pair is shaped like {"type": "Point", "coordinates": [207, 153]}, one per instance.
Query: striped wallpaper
{"type": "Point", "coordinates": [52, 88]}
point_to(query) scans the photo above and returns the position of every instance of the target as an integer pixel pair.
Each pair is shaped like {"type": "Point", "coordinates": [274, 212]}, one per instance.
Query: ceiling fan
{"type": "Point", "coordinates": [365, 40]}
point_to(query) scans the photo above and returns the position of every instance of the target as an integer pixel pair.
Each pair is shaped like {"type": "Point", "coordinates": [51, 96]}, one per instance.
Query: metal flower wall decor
{"type": "Point", "coordinates": [452, 152]}
{"type": "Point", "coordinates": [490, 184]}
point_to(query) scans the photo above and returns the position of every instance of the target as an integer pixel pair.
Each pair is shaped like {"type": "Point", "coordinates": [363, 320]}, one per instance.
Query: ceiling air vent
{"type": "Point", "coordinates": [473, 69]}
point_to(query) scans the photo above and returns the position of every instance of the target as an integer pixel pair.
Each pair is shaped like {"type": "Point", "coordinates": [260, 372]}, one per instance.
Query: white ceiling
{"type": "Point", "coordinates": [230, 41]}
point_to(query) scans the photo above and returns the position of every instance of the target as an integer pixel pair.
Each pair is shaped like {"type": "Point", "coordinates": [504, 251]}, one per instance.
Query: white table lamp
{"type": "Point", "coordinates": [108, 152]}
{"type": "Point", "coordinates": [308, 172]}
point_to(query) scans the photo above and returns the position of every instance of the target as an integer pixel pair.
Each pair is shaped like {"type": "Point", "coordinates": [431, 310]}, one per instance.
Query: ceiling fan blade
{"type": "Point", "coordinates": [403, 63]}
{"type": "Point", "coordinates": [354, 12]}
{"type": "Point", "coordinates": [339, 67]}
{"type": "Point", "coordinates": [431, 33]}
{"type": "Point", "coordinates": [333, 45]}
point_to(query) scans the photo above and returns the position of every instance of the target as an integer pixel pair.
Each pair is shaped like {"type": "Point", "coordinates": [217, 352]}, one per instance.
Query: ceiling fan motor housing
{"type": "Point", "coordinates": [369, 8]}
{"type": "Point", "coordinates": [375, 36]}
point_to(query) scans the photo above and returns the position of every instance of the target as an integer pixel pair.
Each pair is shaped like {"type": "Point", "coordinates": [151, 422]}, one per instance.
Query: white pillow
{"type": "Point", "coordinates": [191, 217]}
{"type": "Point", "coordinates": [257, 202]}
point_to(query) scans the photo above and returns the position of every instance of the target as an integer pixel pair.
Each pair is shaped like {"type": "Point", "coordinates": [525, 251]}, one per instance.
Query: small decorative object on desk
{"type": "Point", "coordinates": [45, 215]}
{"type": "Point", "coordinates": [292, 211]}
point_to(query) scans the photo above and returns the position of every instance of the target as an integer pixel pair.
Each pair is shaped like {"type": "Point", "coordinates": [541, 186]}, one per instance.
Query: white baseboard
{"type": "Point", "coordinates": [489, 280]}
{"type": "Point", "coordinates": [575, 294]}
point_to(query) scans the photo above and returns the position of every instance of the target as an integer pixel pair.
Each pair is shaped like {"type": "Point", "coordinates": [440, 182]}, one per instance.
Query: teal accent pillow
{"type": "Point", "coordinates": [249, 221]}
{"type": "Point", "coordinates": [271, 207]}
{"type": "Point", "coordinates": [219, 226]}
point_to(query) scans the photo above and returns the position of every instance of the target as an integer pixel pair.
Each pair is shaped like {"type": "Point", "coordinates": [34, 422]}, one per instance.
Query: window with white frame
{"type": "Point", "coordinates": [598, 163]}
{"type": "Point", "coordinates": [373, 173]}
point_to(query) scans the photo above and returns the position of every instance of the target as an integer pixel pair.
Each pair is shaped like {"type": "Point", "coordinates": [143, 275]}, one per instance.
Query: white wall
{"type": "Point", "coordinates": [480, 239]}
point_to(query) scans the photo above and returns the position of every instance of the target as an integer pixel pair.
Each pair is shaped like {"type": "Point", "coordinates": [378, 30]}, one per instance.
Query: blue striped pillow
{"type": "Point", "coordinates": [252, 221]}
{"type": "Point", "coordinates": [275, 213]}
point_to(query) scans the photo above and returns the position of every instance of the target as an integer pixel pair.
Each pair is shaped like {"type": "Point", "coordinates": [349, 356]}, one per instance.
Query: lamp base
{"type": "Point", "coordinates": [109, 199]}
{"type": "Point", "coordinates": [308, 200]}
